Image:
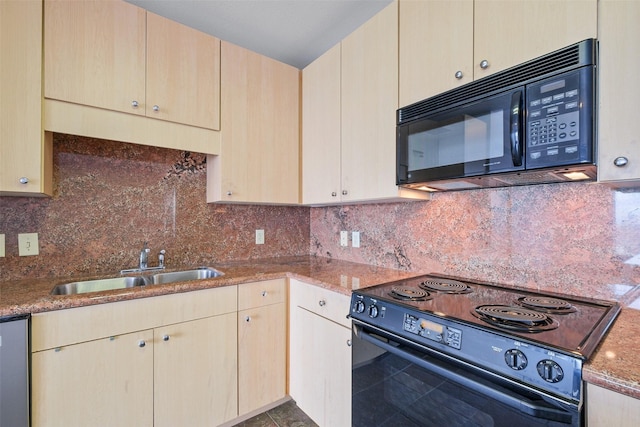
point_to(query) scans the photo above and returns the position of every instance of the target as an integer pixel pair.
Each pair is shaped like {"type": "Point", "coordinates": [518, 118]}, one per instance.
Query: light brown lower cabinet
{"type": "Point", "coordinates": [610, 409]}
{"type": "Point", "coordinates": [320, 354]}
{"type": "Point", "coordinates": [108, 381]}
{"type": "Point", "coordinates": [262, 338]}
{"type": "Point", "coordinates": [162, 361]}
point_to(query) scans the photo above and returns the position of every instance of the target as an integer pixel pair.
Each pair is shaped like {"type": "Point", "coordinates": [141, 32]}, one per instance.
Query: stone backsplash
{"type": "Point", "coordinates": [111, 197]}
{"type": "Point", "coordinates": [577, 238]}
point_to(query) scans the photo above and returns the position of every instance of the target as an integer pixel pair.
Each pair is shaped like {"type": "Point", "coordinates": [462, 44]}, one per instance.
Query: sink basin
{"type": "Point", "coordinates": [131, 281]}
{"type": "Point", "coordinates": [98, 285]}
{"type": "Point", "coordinates": [185, 275]}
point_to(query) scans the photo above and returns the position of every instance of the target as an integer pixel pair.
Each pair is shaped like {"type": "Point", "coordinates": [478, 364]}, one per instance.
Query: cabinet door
{"type": "Point", "coordinates": [618, 21]}
{"type": "Point", "coordinates": [183, 74]}
{"type": "Point", "coordinates": [369, 103]}
{"type": "Point", "coordinates": [25, 151]}
{"type": "Point", "coordinates": [321, 129]}
{"type": "Point", "coordinates": [608, 408]}
{"type": "Point", "coordinates": [262, 356]}
{"type": "Point", "coordinates": [195, 372]}
{"type": "Point", "coordinates": [320, 368]}
{"type": "Point", "coordinates": [259, 160]}
{"type": "Point", "coordinates": [107, 382]}
{"type": "Point", "coordinates": [507, 33]}
{"type": "Point", "coordinates": [94, 53]}
{"type": "Point", "coordinates": [436, 42]}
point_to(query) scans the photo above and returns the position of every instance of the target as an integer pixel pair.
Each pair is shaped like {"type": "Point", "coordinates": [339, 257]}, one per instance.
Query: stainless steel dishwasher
{"type": "Point", "coordinates": [14, 371]}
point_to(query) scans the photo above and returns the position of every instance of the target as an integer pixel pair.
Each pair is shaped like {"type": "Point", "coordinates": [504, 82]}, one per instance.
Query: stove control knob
{"type": "Point", "coordinates": [358, 307]}
{"type": "Point", "coordinates": [373, 311]}
{"type": "Point", "coordinates": [515, 359]}
{"type": "Point", "coordinates": [550, 371]}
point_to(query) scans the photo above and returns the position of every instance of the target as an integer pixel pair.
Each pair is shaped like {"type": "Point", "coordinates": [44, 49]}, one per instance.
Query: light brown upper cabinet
{"type": "Point", "coordinates": [25, 150]}
{"type": "Point", "coordinates": [618, 142]}
{"type": "Point", "coordinates": [444, 44]}
{"type": "Point", "coordinates": [116, 56]}
{"type": "Point", "coordinates": [260, 147]}
{"type": "Point", "coordinates": [350, 96]}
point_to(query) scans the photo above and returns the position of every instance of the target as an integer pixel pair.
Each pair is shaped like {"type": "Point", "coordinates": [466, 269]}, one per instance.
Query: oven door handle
{"type": "Point", "coordinates": [515, 401]}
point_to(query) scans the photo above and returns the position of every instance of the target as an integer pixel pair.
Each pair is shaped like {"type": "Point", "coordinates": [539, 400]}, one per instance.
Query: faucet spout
{"type": "Point", "coordinates": [144, 256]}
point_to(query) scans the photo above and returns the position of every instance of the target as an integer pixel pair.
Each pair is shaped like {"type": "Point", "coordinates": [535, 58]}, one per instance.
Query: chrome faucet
{"type": "Point", "coordinates": [144, 261]}
{"type": "Point", "coordinates": [144, 256]}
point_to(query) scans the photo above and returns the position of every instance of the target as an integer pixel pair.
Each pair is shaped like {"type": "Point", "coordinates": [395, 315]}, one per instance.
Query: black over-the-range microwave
{"type": "Point", "coordinates": [530, 124]}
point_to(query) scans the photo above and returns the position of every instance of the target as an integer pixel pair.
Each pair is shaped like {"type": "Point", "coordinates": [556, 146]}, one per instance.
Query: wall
{"type": "Point", "coordinates": [110, 197]}
{"type": "Point", "coordinates": [578, 238]}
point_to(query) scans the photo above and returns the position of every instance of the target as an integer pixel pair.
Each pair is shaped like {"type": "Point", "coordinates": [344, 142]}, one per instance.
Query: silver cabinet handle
{"type": "Point", "coordinates": [348, 343]}
{"type": "Point", "coordinates": [334, 194]}
{"type": "Point", "coordinates": [344, 192]}
{"type": "Point", "coordinates": [264, 293]}
{"type": "Point", "coordinates": [134, 104]}
{"type": "Point", "coordinates": [141, 343]}
{"type": "Point", "coordinates": [247, 319]}
{"type": "Point", "coordinates": [459, 75]}
{"type": "Point", "coordinates": [618, 161]}
{"type": "Point", "coordinates": [322, 303]}
{"type": "Point", "coordinates": [229, 193]}
{"type": "Point", "coordinates": [24, 180]}
{"type": "Point", "coordinates": [156, 108]}
{"type": "Point", "coordinates": [484, 64]}
{"type": "Point", "coordinates": [165, 338]}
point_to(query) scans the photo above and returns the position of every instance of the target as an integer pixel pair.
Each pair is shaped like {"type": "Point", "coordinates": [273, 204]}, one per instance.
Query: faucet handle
{"type": "Point", "coordinates": [161, 258]}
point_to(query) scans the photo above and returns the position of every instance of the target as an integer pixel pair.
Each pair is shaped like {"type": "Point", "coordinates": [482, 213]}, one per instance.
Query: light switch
{"type": "Point", "coordinates": [355, 239]}
{"type": "Point", "coordinates": [28, 244]}
{"type": "Point", "coordinates": [259, 237]}
{"type": "Point", "coordinates": [1, 245]}
{"type": "Point", "coordinates": [344, 238]}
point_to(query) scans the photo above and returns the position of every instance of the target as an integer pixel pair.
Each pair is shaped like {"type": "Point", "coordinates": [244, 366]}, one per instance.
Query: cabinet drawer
{"type": "Point", "coordinates": [75, 325]}
{"type": "Point", "coordinates": [259, 294]}
{"type": "Point", "coordinates": [324, 302]}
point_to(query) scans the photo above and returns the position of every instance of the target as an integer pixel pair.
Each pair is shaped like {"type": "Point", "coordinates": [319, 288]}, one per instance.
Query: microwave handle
{"type": "Point", "coordinates": [516, 128]}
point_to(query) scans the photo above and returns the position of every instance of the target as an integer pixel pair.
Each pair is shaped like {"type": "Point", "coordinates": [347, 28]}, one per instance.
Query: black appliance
{"type": "Point", "coordinates": [532, 123]}
{"type": "Point", "coordinates": [437, 350]}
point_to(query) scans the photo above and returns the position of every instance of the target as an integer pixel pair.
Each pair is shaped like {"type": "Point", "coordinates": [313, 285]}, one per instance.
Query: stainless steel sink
{"type": "Point", "coordinates": [186, 275]}
{"type": "Point", "coordinates": [113, 283]}
{"type": "Point", "coordinates": [98, 285]}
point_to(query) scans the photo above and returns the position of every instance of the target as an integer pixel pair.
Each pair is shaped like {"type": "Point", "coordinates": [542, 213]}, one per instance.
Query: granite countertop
{"type": "Point", "coordinates": [33, 295]}
{"type": "Point", "coordinates": [614, 365]}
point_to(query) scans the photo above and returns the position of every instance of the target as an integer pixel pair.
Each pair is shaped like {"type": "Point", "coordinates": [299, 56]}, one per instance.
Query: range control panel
{"type": "Point", "coordinates": [433, 331]}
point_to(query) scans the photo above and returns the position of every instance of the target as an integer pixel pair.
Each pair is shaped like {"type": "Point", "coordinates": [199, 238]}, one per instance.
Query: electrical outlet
{"type": "Point", "coordinates": [28, 244]}
{"type": "Point", "coordinates": [355, 239]}
{"type": "Point", "coordinates": [344, 238]}
{"type": "Point", "coordinates": [1, 245]}
{"type": "Point", "coordinates": [259, 237]}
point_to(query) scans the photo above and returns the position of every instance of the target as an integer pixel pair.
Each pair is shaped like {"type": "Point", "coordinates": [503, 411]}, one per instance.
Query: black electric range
{"type": "Point", "coordinates": [537, 339]}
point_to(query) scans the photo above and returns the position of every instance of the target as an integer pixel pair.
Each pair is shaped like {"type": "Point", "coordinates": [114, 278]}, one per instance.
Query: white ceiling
{"type": "Point", "coordinates": [292, 31]}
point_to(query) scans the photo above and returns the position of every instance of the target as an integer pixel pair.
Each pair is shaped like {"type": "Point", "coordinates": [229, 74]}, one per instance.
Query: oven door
{"type": "Point", "coordinates": [482, 137]}
{"type": "Point", "coordinates": [395, 383]}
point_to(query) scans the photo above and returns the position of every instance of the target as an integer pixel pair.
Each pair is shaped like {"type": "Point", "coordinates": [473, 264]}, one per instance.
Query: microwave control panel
{"type": "Point", "coordinates": [558, 119]}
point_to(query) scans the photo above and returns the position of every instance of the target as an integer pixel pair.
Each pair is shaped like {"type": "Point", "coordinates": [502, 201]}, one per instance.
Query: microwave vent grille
{"type": "Point", "coordinates": [574, 56]}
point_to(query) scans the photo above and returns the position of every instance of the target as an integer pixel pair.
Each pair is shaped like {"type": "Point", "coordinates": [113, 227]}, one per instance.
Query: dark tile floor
{"type": "Point", "coordinates": [286, 415]}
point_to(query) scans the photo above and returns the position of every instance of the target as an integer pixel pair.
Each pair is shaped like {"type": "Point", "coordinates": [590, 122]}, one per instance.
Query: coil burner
{"type": "Point", "coordinates": [409, 294]}
{"type": "Point", "coordinates": [515, 318]}
{"type": "Point", "coordinates": [547, 304]}
{"type": "Point", "coordinates": [446, 286]}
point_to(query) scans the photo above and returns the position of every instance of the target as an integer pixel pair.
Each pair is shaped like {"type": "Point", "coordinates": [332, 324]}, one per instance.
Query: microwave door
{"type": "Point", "coordinates": [474, 139]}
